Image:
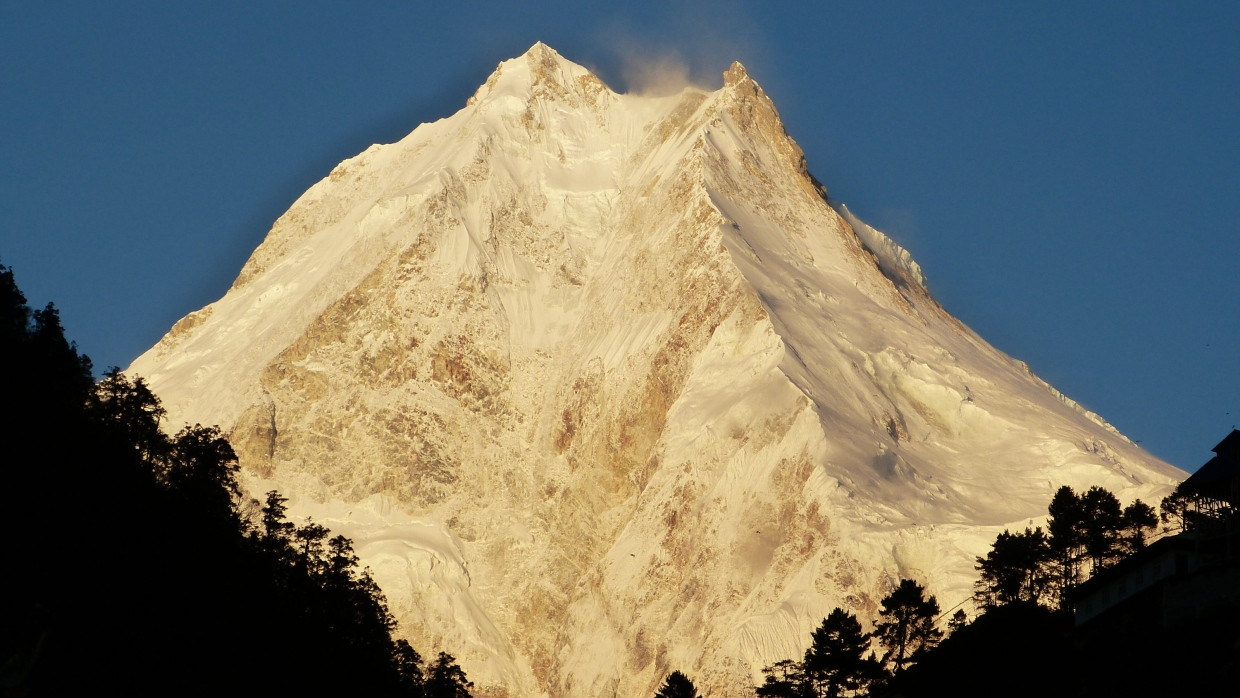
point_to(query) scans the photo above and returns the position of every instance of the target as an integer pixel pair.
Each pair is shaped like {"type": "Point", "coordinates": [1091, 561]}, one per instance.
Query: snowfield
{"type": "Point", "coordinates": [602, 386]}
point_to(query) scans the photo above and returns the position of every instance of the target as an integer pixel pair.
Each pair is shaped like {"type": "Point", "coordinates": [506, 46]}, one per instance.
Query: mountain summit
{"type": "Point", "coordinates": [603, 386]}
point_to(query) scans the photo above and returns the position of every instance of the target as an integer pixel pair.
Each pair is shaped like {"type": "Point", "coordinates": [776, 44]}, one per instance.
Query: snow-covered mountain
{"type": "Point", "coordinates": [603, 386]}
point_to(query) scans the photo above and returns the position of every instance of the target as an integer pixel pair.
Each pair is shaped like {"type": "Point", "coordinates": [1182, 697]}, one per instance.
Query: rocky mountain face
{"type": "Point", "coordinates": [603, 386]}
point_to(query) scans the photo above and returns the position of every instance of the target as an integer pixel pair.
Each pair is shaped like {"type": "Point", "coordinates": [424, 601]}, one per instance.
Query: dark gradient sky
{"type": "Point", "coordinates": [1066, 175]}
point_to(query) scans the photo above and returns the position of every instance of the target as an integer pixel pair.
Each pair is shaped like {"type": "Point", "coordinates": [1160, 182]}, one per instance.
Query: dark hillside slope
{"type": "Point", "coordinates": [130, 567]}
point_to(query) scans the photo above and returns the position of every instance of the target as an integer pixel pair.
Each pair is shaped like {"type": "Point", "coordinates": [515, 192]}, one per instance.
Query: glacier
{"type": "Point", "coordinates": [604, 386]}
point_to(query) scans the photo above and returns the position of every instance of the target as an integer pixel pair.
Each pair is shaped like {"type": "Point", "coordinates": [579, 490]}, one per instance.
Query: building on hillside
{"type": "Point", "coordinates": [1182, 579]}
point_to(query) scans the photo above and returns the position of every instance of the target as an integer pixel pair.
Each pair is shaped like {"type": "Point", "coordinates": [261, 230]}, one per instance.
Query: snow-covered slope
{"type": "Point", "coordinates": [602, 387]}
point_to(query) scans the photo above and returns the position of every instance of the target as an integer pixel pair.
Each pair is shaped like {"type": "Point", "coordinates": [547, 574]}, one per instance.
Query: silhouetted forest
{"type": "Point", "coordinates": [130, 569]}
{"type": "Point", "coordinates": [1030, 639]}
{"type": "Point", "coordinates": [840, 660]}
{"type": "Point", "coordinates": [1025, 640]}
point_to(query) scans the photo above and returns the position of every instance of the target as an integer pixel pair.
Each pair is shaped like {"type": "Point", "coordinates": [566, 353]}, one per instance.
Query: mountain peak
{"type": "Point", "coordinates": [572, 366]}
{"type": "Point", "coordinates": [541, 59]}
{"type": "Point", "coordinates": [735, 74]}
{"type": "Point", "coordinates": [541, 50]}
{"type": "Point", "coordinates": [540, 69]}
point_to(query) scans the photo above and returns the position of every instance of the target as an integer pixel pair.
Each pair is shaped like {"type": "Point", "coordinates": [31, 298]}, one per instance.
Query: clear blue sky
{"type": "Point", "coordinates": [1067, 174]}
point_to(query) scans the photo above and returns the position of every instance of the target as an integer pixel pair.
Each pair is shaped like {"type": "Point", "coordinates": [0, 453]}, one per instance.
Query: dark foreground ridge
{"type": "Point", "coordinates": [134, 565]}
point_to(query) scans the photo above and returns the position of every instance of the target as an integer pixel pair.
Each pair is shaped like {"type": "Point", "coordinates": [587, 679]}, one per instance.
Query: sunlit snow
{"type": "Point", "coordinates": [602, 386]}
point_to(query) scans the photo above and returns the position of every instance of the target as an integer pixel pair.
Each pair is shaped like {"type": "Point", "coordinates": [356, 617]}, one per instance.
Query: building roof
{"type": "Point", "coordinates": [1229, 446]}
{"type": "Point", "coordinates": [1217, 477]}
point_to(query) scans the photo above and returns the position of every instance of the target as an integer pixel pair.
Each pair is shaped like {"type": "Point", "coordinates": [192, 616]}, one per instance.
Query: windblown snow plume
{"type": "Point", "coordinates": [602, 388]}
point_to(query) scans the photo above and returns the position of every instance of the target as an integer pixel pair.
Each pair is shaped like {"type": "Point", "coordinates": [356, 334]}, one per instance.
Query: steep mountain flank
{"type": "Point", "coordinates": [602, 386]}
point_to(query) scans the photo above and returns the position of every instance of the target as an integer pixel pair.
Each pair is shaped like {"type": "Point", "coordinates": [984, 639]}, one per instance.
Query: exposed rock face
{"type": "Point", "coordinates": [602, 387]}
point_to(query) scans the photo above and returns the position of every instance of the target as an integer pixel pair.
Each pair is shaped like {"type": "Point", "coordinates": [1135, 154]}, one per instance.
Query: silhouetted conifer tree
{"type": "Point", "coordinates": [958, 620]}
{"type": "Point", "coordinates": [308, 541]}
{"type": "Point", "coordinates": [129, 409]}
{"type": "Point", "coordinates": [783, 679]}
{"type": "Point", "coordinates": [1174, 511]}
{"type": "Point", "coordinates": [446, 680]}
{"type": "Point", "coordinates": [408, 662]}
{"type": "Point", "coordinates": [1066, 530]}
{"type": "Point", "coordinates": [1103, 519]}
{"type": "Point", "coordinates": [1015, 569]}
{"type": "Point", "coordinates": [677, 685]}
{"type": "Point", "coordinates": [1137, 518]}
{"type": "Point", "coordinates": [907, 625]}
{"type": "Point", "coordinates": [201, 470]}
{"type": "Point", "coordinates": [275, 526]}
{"type": "Point", "coordinates": [836, 660]}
